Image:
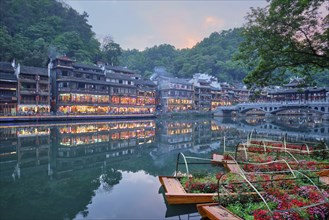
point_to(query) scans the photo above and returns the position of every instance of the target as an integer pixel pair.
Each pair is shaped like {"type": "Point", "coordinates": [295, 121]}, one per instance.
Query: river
{"type": "Point", "coordinates": [110, 169]}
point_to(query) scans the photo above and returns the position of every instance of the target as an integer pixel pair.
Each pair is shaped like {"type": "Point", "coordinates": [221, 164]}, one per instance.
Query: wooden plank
{"type": "Point", "coordinates": [172, 185]}
{"type": "Point", "coordinates": [189, 198]}
{"type": "Point", "coordinates": [234, 168]}
{"type": "Point", "coordinates": [217, 158]}
{"type": "Point", "coordinates": [323, 173]}
{"type": "Point", "coordinates": [197, 198]}
{"type": "Point", "coordinates": [214, 211]}
{"type": "Point", "coordinates": [324, 180]}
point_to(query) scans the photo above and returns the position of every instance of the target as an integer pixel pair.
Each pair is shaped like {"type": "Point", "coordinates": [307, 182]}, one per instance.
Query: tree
{"type": "Point", "coordinates": [5, 44]}
{"type": "Point", "coordinates": [286, 36]}
{"type": "Point", "coordinates": [213, 55]}
{"type": "Point", "coordinates": [110, 51]}
{"type": "Point", "coordinates": [28, 29]}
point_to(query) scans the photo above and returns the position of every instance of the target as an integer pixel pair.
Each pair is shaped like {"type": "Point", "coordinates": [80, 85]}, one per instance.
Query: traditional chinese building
{"type": "Point", "coordinates": [90, 89]}
{"type": "Point", "coordinates": [297, 90]}
{"type": "Point", "coordinates": [79, 88]}
{"type": "Point", "coordinates": [216, 98]}
{"type": "Point", "coordinates": [8, 89]}
{"type": "Point", "coordinates": [299, 95]}
{"type": "Point", "coordinates": [146, 95]}
{"type": "Point", "coordinates": [123, 91]}
{"type": "Point", "coordinates": [175, 95]}
{"type": "Point", "coordinates": [130, 94]}
{"type": "Point", "coordinates": [33, 90]}
{"type": "Point", "coordinates": [202, 92]}
{"type": "Point", "coordinates": [241, 95]}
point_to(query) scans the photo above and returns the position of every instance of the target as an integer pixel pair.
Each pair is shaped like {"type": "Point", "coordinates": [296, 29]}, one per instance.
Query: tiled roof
{"type": "Point", "coordinates": [119, 69]}
{"type": "Point", "coordinates": [6, 67]}
{"type": "Point", "coordinates": [145, 82]}
{"type": "Point", "coordinates": [174, 80]}
{"type": "Point", "coordinates": [9, 77]}
{"type": "Point", "coordinates": [118, 76]}
{"type": "Point", "coordinates": [86, 66]}
{"type": "Point", "coordinates": [285, 91]}
{"type": "Point", "coordinates": [85, 81]}
{"type": "Point", "coordinates": [34, 70]}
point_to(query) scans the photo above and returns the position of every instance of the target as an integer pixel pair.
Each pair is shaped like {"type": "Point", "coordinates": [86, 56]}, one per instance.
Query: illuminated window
{"type": "Point", "coordinates": [115, 99]}
{"type": "Point", "coordinates": [64, 97]}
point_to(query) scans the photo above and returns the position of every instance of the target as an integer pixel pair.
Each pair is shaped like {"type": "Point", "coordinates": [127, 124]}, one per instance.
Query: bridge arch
{"type": "Point", "coordinates": [321, 109]}
{"type": "Point", "coordinates": [246, 110]}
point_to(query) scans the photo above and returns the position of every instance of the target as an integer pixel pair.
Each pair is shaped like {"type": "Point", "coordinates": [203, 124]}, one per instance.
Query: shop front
{"type": "Point", "coordinates": [7, 108]}
{"type": "Point", "coordinates": [83, 109]}
{"type": "Point", "coordinates": [33, 109]}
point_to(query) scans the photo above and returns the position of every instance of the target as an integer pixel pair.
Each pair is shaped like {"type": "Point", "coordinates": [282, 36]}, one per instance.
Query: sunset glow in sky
{"type": "Point", "coordinates": [182, 23]}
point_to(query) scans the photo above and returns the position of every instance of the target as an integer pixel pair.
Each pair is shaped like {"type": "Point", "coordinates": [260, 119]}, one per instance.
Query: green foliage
{"type": "Point", "coordinates": [213, 55]}
{"type": "Point", "coordinates": [144, 62]}
{"type": "Point", "coordinates": [32, 30]}
{"type": "Point", "coordinates": [286, 37]}
{"type": "Point", "coordinates": [245, 210]}
{"type": "Point", "coordinates": [111, 51]}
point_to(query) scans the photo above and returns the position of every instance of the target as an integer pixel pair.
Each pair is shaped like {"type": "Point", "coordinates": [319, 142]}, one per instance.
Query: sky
{"type": "Point", "coordinates": [138, 24]}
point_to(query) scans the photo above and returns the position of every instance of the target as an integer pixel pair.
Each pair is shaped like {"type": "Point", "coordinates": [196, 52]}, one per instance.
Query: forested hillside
{"type": "Point", "coordinates": [213, 55]}
{"type": "Point", "coordinates": [30, 31]}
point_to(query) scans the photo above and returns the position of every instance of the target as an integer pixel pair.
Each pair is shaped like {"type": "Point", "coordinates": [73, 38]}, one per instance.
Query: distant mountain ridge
{"type": "Point", "coordinates": [213, 55]}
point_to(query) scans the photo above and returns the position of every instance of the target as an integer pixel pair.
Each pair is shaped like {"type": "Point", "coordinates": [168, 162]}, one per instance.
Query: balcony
{"type": "Point", "coordinates": [44, 81]}
{"type": "Point", "coordinates": [44, 92]}
{"type": "Point", "coordinates": [24, 79]}
{"type": "Point", "coordinates": [83, 90]}
{"type": "Point", "coordinates": [43, 103]}
{"type": "Point", "coordinates": [84, 103]}
{"type": "Point", "coordinates": [30, 102]}
{"type": "Point", "coordinates": [27, 92]}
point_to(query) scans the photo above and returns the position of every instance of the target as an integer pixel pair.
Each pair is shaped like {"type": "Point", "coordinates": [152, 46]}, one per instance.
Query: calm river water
{"type": "Point", "coordinates": [110, 169]}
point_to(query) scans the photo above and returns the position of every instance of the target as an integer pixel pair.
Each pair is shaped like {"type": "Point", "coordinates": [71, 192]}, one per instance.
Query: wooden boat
{"type": "Point", "coordinates": [214, 211]}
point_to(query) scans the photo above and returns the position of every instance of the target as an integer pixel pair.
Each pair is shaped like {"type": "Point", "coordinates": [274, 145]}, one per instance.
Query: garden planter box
{"type": "Point", "coordinates": [175, 193]}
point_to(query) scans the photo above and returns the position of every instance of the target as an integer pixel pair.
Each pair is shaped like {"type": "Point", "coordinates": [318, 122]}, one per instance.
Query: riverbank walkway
{"type": "Point", "coordinates": [71, 117]}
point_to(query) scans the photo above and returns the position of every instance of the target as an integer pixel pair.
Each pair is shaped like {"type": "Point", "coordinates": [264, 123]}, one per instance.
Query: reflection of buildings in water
{"type": "Point", "coordinates": [298, 122]}
{"type": "Point", "coordinates": [255, 120]}
{"type": "Point", "coordinates": [297, 128]}
{"type": "Point", "coordinates": [58, 148]}
{"type": "Point", "coordinates": [198, 136]}
{"type": "Point", "coordinates": [25, 147]}
{"type": "Point", "coordinates": [176, 135]}
{"type": "Point", "coordinates": [94, 144]}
